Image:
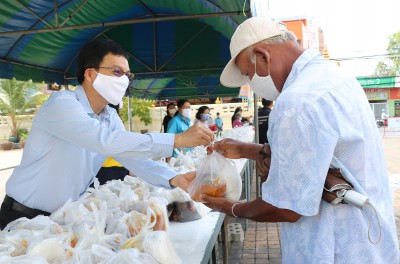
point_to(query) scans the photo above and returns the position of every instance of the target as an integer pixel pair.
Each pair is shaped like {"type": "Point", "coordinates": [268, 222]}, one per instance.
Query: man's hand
{"type": "Point", "coordinates": [234, 149]}
{"type": "Point", "coordinates": [218, 204]}
{"type": "Point", "coordinates": [183, 180]}
{"type": "Point", "coordinates": [229, 148]}
{"type": "Point", "coordinates": [196, 135]}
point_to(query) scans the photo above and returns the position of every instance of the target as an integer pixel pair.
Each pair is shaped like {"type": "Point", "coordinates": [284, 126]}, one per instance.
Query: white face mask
{"type": "Point", "coordinates": [264, 86]}
{"type": "Point", "coordinates": [112, 88]}
{"type": "Point", "coordinates": [172, 111]}
{"type": "Point", "coordinates": [186, 112]}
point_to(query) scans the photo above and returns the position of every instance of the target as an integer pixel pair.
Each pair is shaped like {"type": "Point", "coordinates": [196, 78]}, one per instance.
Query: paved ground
{"type": "Point", "coordinates": [261, 243]}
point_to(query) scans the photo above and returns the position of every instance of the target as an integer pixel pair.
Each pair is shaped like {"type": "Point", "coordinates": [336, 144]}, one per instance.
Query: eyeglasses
{"type": "Point", "coordinates": [117, 71]}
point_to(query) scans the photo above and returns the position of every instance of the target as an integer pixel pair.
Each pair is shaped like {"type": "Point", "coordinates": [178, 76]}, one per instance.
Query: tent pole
{"type": "Point", "coordinates": [257, 140]}
{"type": "Point", "coordinates": [161, 120]}
{"type": "Point", "coordinates": [129, 113]}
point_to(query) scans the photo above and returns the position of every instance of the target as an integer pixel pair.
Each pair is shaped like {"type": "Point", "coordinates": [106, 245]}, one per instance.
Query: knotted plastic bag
{"type": "Point", "coordinates": [217, 177]}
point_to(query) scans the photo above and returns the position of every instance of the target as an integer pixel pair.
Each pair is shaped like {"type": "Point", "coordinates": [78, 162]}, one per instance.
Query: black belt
{"type": "Point", "coordinates": [16, 206]}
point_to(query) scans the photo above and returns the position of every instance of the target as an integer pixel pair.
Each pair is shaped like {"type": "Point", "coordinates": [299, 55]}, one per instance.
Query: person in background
{"type": "Point", "coordinates": [237, 122]}
{"type": "Point", "coordinates": [111, 169]}
{"type": "Point", "coordinates": [171, 111]}
{"type": "Point", "coordinates": [220, 123]}
{"type": "Point", "coordinates": [384, 117]}
{"type": "Point", "coordinates": [203, 116]}
{"type": "Point", "coordinates": [263, 115]}
{"type": "Point", "coordinates": [321, 120]}
{"type": "Point", "coordinates": [181, 121]}
{"type": "Point", "coordinates": [237, 110]}
{"type": "Point", "coordinates": [74, 132]}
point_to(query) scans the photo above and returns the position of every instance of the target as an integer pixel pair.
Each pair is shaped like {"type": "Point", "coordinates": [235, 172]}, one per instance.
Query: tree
{"type": "Point", "coordinates": [391, 67]}
{"type": "Point", "coordinates": [15, 98]}
{"type": "Point", "coordinates": [140, 108]}
{"type": "Point", "coordinates": [384, 70]}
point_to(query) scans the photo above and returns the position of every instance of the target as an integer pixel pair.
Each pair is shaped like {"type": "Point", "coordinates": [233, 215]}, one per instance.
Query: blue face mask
{"type": "Point", "coordinates": [205, 116]}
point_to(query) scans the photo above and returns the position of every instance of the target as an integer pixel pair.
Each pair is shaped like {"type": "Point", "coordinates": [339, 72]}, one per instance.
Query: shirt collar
{"type": "Point", "coordinates": [184, 119]}
{"type": "Point", "coordinates": [82, 98]}
{"type": "Point", "coordinates": [307, 56]}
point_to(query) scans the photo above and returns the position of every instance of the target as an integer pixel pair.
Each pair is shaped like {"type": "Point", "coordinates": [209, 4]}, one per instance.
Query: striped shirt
{"type": "Point", "coordinates": [67, 145]}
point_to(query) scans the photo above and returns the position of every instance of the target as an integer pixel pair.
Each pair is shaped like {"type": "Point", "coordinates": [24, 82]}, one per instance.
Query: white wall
{"type": "Point", "coordinates": [157, 113]}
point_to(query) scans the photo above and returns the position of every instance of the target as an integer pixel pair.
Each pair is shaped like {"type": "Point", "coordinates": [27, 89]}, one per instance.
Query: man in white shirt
{"type": "Point", "coordinates": [74, 131]}
{"type": "Point", "coordinates": [321, 119]}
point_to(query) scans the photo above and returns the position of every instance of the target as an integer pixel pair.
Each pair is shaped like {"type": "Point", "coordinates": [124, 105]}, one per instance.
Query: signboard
{"type": "Point", "coordinates": [394, 122]}
{"type": "Point", "coordinates": [395, 93]}
{"type": "Point", "coordinates": [383, 82]}
{"type": "Point", "coordinates": [245, 91]}
{"type": "Point", "coordinates": [377, 94]}
{"type": "Point", "coordinates": [195, 101]}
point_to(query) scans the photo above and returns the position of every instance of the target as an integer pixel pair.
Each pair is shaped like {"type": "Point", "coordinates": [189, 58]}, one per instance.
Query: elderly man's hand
{"type": "Point", "coordinates": [229, 148]}
{"type": "Point", "coordinates": [218, 204]}
{"type": "Point", "coordinates": [183, 180]}
{"type": "Point", "coordinates": [196, 135]}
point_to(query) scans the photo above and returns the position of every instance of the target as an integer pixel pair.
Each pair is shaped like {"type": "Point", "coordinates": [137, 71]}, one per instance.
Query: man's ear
{"type": "Point", "coordinates": [89, 75]}
{"type": "Point", "coordinates": [262, 52]}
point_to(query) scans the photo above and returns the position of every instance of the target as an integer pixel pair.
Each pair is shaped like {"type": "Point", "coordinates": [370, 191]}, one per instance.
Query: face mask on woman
{"type": "Point", "coordinates": [172, 111]}
{"type": "Point", "coordinates": [205, 116]}
{"type": "Point", "coordinates": [111, 88]}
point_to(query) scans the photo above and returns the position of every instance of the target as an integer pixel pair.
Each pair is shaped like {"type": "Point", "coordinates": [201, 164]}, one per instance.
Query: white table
{"type": "Point", "coordinates": [195, 240]}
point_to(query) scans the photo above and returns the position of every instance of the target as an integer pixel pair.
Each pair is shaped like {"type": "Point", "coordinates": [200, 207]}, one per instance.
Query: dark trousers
{"type": "Point", "coordinates": [106, 174]}
{"type": "Point", "coordinates": [12, 210]}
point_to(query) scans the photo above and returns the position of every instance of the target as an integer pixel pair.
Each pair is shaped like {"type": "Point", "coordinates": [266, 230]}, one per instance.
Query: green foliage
{"type": "Point", "coordinates": [384, 70]}
{"type": "Point", "coordinates": [23, 134]}
{"type": "Point", "coordinates": [139, 107]}
{"type": "Point", "coordinates": [391, 67]}
{"type": "Point", "coordinates": [16, 97]}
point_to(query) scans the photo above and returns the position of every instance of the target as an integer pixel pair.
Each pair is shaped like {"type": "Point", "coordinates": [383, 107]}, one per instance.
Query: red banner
{"type": "Point", "coordinates": [395, 93]}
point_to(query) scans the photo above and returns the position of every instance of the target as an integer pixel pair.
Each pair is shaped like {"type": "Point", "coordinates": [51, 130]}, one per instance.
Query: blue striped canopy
{"type": "Point", "coordinates": [177, 48]}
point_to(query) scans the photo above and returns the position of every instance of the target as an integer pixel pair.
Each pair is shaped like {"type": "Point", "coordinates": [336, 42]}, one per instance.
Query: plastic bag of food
{"type": "Point", "coordinates": [136, 241]}
{"type": "Point", "coordinates": [23, 260]}
{"type": "Point", "coordinates": [217, 177]}
{"type": "Point", "coordinates": [184, 212]}
{"type": "Point", "coordinates": [159, 245]}
{"type": "Point", "coordinates": [159, 206]}
{"type": "Point", "coordinates": [104, 255]}
{"type": "Point", "coordinates": [182, 208]}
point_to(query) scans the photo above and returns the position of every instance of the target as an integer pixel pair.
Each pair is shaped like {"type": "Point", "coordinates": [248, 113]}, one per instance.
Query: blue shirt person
{"type": "Point", "coordinates": [220, 123]}
{"type": "Point", "coordinates": [181, 121]}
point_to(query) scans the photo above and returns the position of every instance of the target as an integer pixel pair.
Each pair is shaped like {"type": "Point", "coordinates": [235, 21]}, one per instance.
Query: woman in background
{"type": "Point", "coordinates": [203, 116]}
{"type": "Point", "coordinates": [171, 111]}
{"type": "Point", "coordinates": [237, 110]}
{"type": "Point", "coordinates": [238, 120]}
{"type": "Point", "coordinates": [181, 121]}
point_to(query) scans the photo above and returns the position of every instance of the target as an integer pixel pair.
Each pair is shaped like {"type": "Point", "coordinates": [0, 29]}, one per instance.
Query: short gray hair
{"type": "Point", "coordinates": [279, 39]}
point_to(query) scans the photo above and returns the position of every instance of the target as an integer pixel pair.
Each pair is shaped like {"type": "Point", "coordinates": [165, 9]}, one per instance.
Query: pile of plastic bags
{"type": "Point", "coordinates": [120, 222]}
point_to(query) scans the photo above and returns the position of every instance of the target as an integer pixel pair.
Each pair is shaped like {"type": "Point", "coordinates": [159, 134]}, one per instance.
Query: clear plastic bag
{"type": "Point", "coordinates": [104, 255]}
{"type": "Point", "coordinates": [159, 245]}
{"type": "Point", "coordinates": [217, 177]}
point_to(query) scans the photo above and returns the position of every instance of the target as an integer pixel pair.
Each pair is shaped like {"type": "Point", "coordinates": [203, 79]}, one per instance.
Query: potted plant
{"type": "Point", "coordinates": [6, 145]}
{"type": "Point", "coordinates": [23, 135]}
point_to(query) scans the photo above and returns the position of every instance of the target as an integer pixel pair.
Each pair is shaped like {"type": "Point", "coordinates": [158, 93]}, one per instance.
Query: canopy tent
{"type": "Point", "coordinates": [177, 48]}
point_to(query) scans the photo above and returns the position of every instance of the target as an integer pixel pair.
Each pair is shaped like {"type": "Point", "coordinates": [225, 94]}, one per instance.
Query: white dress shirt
{"type": "Point", "coordinates": [67, 145]}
